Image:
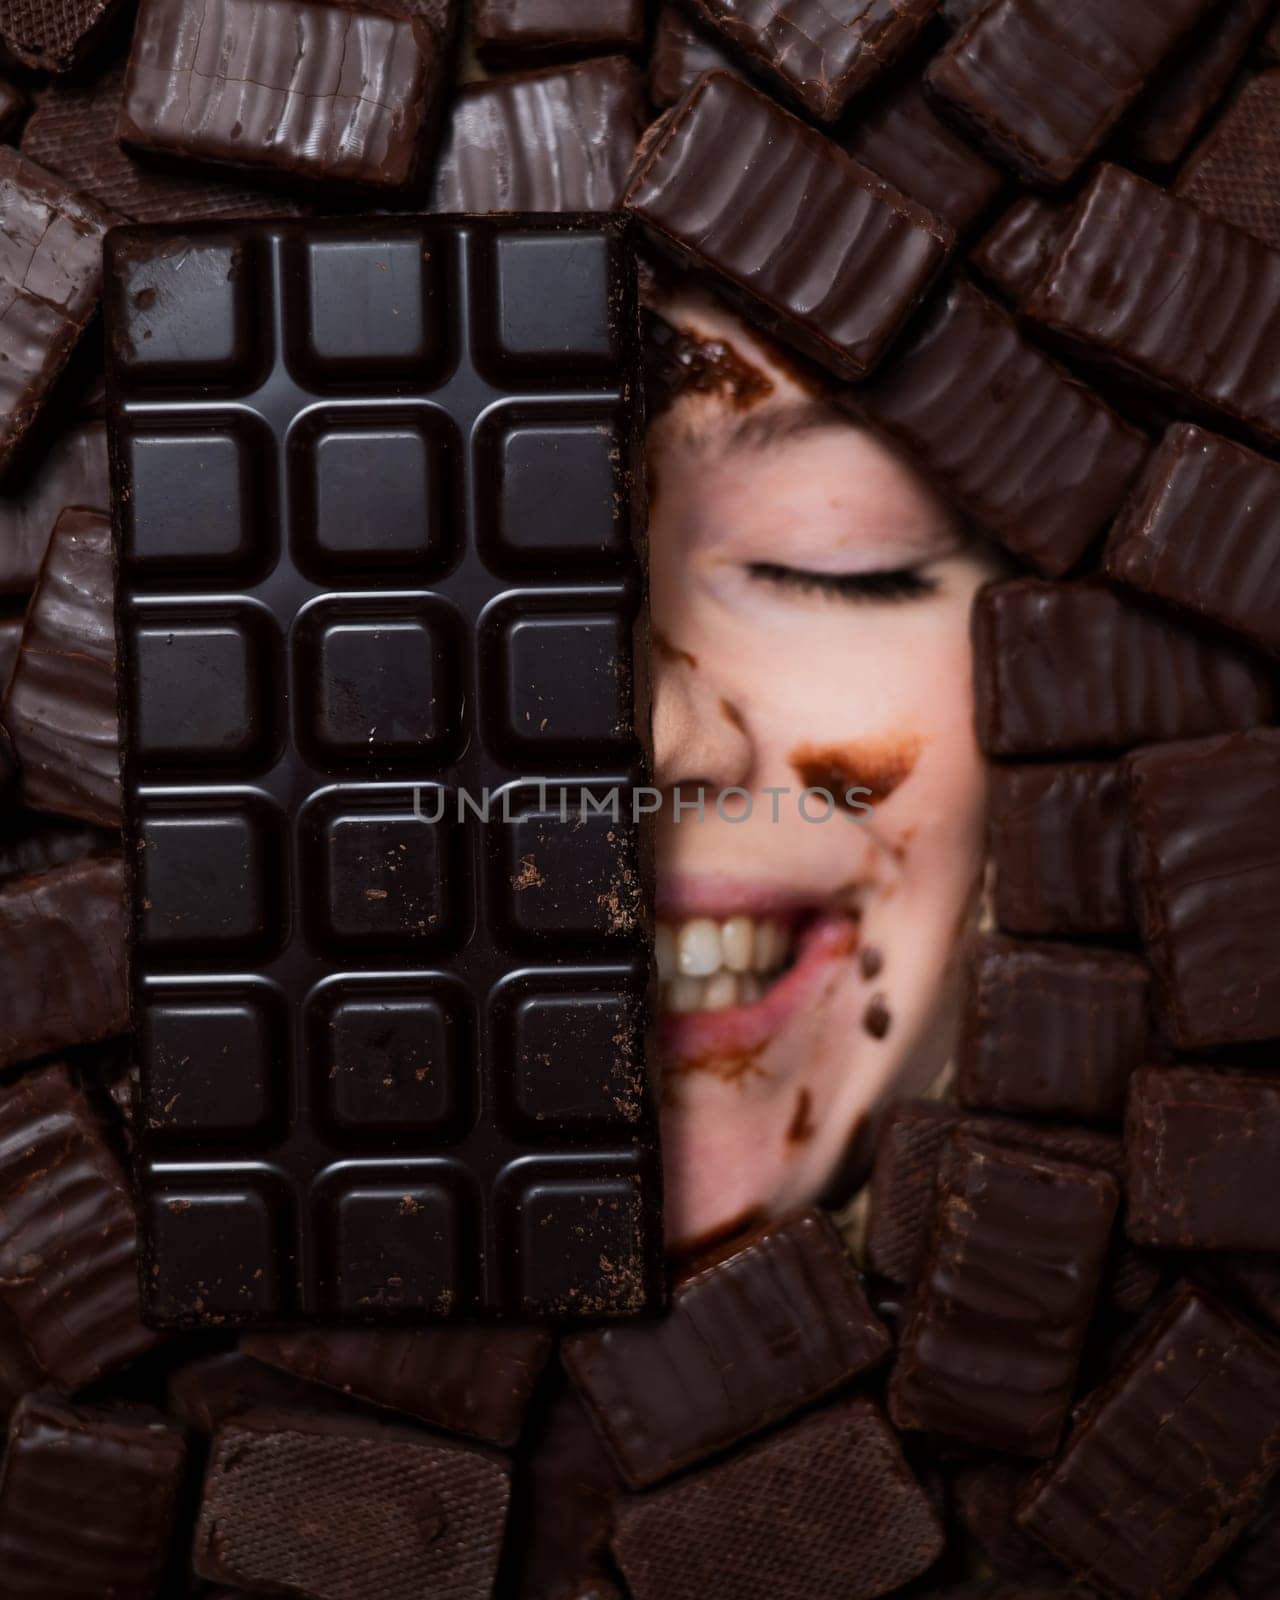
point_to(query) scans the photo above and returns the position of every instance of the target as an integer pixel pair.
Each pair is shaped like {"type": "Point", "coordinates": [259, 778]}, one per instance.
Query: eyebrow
{"type": "Point", "coordinates": [758, 430]}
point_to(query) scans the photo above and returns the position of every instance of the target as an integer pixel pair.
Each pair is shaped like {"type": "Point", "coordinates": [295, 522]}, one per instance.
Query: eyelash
{"type": "Point", "coordinates": [891, 587]}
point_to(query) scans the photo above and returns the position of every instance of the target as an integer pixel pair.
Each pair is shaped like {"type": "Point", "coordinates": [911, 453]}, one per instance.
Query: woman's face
{"type": "Point", "coordinates": [810, 604]}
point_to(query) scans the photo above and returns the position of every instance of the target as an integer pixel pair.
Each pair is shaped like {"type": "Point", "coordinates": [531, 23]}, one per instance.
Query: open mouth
{"type": "Point", "coordinates": [712, 964]}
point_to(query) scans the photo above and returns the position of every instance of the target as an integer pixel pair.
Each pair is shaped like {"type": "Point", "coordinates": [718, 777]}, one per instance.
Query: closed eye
{"type": "Point", "coordinates": [893, 586]}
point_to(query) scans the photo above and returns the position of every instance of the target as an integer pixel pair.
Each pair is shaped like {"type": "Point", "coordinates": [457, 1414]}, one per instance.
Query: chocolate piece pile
{"type": "Point", "coordinates": [298, 1057]}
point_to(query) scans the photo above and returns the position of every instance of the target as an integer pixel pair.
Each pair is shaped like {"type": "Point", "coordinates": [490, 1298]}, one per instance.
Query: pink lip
{"type": "Point", "coordinates": [723, 895]}
{"type": "Point", "coordinates": [739, 1032]}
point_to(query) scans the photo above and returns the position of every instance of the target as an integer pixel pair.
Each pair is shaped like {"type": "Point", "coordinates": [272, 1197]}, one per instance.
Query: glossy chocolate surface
{"type": "Point", "coordinates": [70, 471]}
{"type": "Point", "coordinates": [682, 51]}
{"type": "Point", "coordinates": [1013, 253]}
{"type": "Point", "coordinates": [508, 31]}
{"type": "Point", "coordinates": [392, 1059]}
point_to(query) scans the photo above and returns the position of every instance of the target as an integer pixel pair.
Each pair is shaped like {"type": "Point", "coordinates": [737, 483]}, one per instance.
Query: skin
{"type": "Point", "coordinates": [764, 678]}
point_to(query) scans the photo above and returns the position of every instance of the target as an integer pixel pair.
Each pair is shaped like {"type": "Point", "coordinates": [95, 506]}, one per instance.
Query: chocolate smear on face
{"type": "Point", "coordinates": [877, 766]}
{"type": "Point", "coordinates": [802, 1127]}
{"type": "Point", "coordinates": [876, 1018]}
{"type": "Point", "coordinates": [871, 961]}
{"type": "Point", "coordinates": [678, 361]}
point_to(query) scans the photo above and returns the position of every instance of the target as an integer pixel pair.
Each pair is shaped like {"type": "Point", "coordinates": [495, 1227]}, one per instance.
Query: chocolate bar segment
{"type": "Point", "coordinates": [55, 35]}
{"type": "Point", "coordinates": [820, 55]}
{"type": "Point", "coordinates": [1147, 284]}
{"type": "Point", "coordinates": [71, 471]}
{"type": "Point", "coordinates": [1042, 90]}
{"type": "Point", "coordinates": [1206, 879]}
{"type": "Point", "coordinates": [62, 959]}
{"type": "Point", "coordinates": [1200, 532]}
{"type": "Point", "coordinates": [88, 1500]}
{"type": "Point", "coordinates": [1057, 833]}
{"type": "Point", "coordinates": [477, 1381]}
{"type": "Point", "coordinates": [560, 140]}
{"type": "Point", "coordinates": [827, 1505]}
{"type": "Point", "coordinates": [50, 280]}
{"type": "Point", "coordinates": [1079, 669]}
{"type": "Point", "coordinates": [510, 31]}
{"type": "Point", "coordinates": [682, 51]}
{"type": "Point", "coordinates": [322, 93]}
{"type": "Point", "coordinates": [1202, 1149]}
{"type": "Point", "coordinates": [1232, 174]}
{"type": "Point", "coordinates": [338, 1509]}
{"type": "Point", "coordinates": [1166, 1461]}
{"type": "Point", "coordinates": [773, 1321]}
{"type": "Point", "coordinates": [1030, 455]}
{"type": "Point", "coordinates": [60, 709]}
{"type": "Point", "coordinates": [1012, 255]}
{"type": "Point", "coordinates": [997, 1327]}
{"type": "Point", "coordinates": [1052, 1030]}
{"type": "Point", "coordinates": [465, 629]}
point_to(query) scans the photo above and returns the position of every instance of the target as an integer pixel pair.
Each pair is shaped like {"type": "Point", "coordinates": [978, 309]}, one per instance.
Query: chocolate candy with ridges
{"type": "Point", "coordinates": [1167, 1459]}
{"type": "Point", "coordinates": [88, 1500]}
{"type": "Point", "coordinates": [1232, 174]}
{"type": "Point", "coordinates": [69, 1251]}
{"type": "Point", "coordinates": [510, 31]}
{"type": "Point", "coordinates": [311, 91]}
{"type": "Point", "coordinates": [477, 1381]}
{"type": "Point", "coordinates": [423, 518]}
{"type": "Point", "coordinates": [560, 140]}
{"type": "Point", "coordinates": [1004, 1299]}
{"type": "Point", "coordinates": [212, 1389]}
{"type": "Point", "coordinates": [682, 51]}
{"type": "Point", "coordinates": [62, 958]}
{"type": "Point", "coordinates": [826, 1505]}
{"type": "Point", "coordinates": [1080, 669]}
{"type": "Point", "coordinates": [1206, 883]}
{"type": "Point", "coordinates": [834, 260]}
{"type": "Point", "coordinates": [1033, 457]}
{"type": "Point", "coordinates": [820, 55]}
{"type": "Point", "coordinates": [899, 135]}
{"type": "Point", "coordinates": [1014, 252]}
{"type": "Point", "coordinates": [50, 279]}
{"type": "Point", "coordinates": [339, 1508]}
{"type": "Point", "coordinates": [1203, 1148]}
{"type": "Point", "coordinates": [1052, 1030]}
{"type": "Point", "coordinates": [1041, 89]}
{"type": "Point", "coordinates": [1145, 283]}
{"type": "Point", "coordinates": [55, 35]}
{"type": "Point", "coordinates": [72, 131]}
{"type": "Point", "coordinates": [71, 471]}
{"type": "Point", "coordinates": [32, 842]}
{"type": "Point", "coordinates": [60, 709]}
{"type": "Point", "coordinates": [769, 1323]}
{"type": "Point", "coordinates": [1200, 532]}
{"type": "Point", "coordinates": [1057, 834]}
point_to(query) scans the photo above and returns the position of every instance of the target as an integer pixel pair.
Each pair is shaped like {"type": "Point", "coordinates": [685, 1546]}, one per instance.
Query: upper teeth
{"type": "Point", "coordinates": [702, 946]}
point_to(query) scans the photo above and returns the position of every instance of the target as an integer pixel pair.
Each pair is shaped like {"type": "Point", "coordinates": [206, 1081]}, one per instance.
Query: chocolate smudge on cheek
{"type": "Point", "coordinates": [702, 1242]}
{"type": "Point", "coordinates": [666, 651]}
{"type": "Point", "coordinates": [678, 361]}
{"type": "Point", "coordinates": [802, 1127]}
{"type": "Point", "coordinates": [877, 1019]}
{"type": "Point", "coordinates": [730, 1066]}
{"type": "Point", "coordinates": [877, 766]}
{"type": "Point", "coordinates": [871, 962]}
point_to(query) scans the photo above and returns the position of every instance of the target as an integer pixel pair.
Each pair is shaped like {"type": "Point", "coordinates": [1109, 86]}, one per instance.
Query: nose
{"type": "Point", "coordinates": [698, 735]}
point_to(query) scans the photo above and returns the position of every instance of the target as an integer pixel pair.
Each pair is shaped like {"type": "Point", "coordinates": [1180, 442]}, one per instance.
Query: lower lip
{"type": "Point", "coordinates": [740, 1031]}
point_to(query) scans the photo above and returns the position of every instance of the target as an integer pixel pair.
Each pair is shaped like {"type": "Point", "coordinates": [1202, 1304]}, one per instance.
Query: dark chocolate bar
{"type": "Point", "coordinates": [89, 1500]}
{"type": "Point", "coordinates": [1232, 174]}
{"type": "Point", "coordinates": [1057, 834]}
{"type": "Point", "coordinates": [13, 106]}
{"type": "Point", "coordinates": [72, 471]}
{"type": "Point", "coordinates": [899, 135]}
{"type": "Point", "coordinates": [1166, 1461]}
{"type": "Point", "coordinates": [32, 842]}
{"type": "Point", "coordinates": [1166, 118]}
{"type": "Point", "coordinates": [1200, 532]}
{"type": "Point", "coordinates": [1033, 457]}
{"type": "Point", "coordinates": [50, 280]}
{"type": "Point", "coordinates": [315, 91]}
{"type": "Point", "coordinates": [1052, 1030]}
{"type": "Point", "coordinates": [68, 1253]}
{"type": "Point", "coordinates": [1079, 669]}
{"type": "Point", "coordinates": [72, 132]}
{"type": "Point", "coordinates": [476, 1381]}
{"type": "Point", "coordinates": [511, 31]}
{"type": "Point", "coordinates": [337, 1508]}
{"type": "Point", "coordinates": [821, 55]}
{"type": "Point", "coordinates": [682, 51]}
{"type": "Point", "coordinates": [1012, 255]}
{"type": "Point", "coordinates": [55, 35]}
{"type": "Point", "coordinates": [62, 959]}
{"type": "Point", "coordinates": [1041, 89]}
{"type": "Point", "coordinates": [1203, 1149]}
{"type": "Point", "coordinates": [767, 1324]}
{"type": "Point", "coordinates": [1146, 283]}
{"type": "Point", "coordinates": [1006, 1292]}
{"type": "Point", "coordinates": [827, 1505]}
{"type": "Point", "coordinates": [1207, 882]}
{"type": "Point", "coordinates": [467, 492]}
{"type": "Point", "coordinates": [560, 140]}
{"type": "Point", "coordinates": [60, 709]}
{"type": "Point", "coordinates": [834, 261]}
